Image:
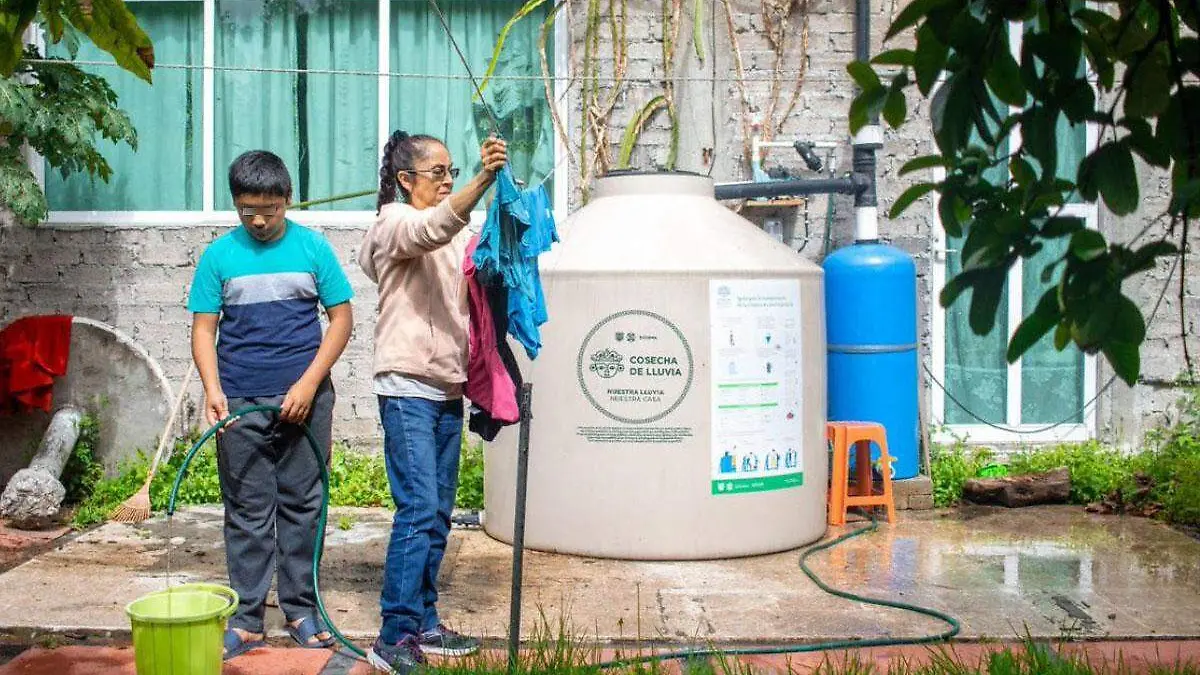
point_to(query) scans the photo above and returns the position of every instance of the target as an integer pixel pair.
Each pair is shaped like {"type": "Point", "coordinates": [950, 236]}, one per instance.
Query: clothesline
{"type": "Point", "coordinates": [808, 77]}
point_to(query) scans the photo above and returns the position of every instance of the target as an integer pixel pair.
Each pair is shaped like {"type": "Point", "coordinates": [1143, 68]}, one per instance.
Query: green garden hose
{"type": "Point", "coordinates": [321, 520]}
{"type": "Point", "coordinates": [819, 646]}
{"type": "Point", "coordinates": [668, 656]}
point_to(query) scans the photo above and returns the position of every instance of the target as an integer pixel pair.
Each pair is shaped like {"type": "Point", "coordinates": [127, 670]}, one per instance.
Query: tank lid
{"type": "Point", "coordinates": [666, 183]}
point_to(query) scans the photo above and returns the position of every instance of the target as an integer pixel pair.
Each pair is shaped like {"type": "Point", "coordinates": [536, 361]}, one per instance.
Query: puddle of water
{"type": "Point", "coordinates": [1060, 562]}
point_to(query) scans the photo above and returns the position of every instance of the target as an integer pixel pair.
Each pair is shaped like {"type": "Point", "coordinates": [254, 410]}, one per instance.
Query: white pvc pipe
{"type": "Point", "coordinates": [866, 223]}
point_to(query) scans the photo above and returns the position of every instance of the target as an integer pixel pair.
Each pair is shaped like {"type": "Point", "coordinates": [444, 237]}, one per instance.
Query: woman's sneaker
{"type": "Point", "coordinates": [442, 641]}
{"type": "Point", "coordinates": [403, 657]}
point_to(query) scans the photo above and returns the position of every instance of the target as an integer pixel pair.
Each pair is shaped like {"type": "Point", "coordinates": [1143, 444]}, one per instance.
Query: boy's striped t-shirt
{"type": "Point", "coordinates": [266, 294]}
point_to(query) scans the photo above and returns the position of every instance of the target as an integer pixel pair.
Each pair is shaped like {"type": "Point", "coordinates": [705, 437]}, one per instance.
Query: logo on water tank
{"type": "Point", "coordinates": [607, 363]}
{"type": "Point", "coordinates": [635, 367]}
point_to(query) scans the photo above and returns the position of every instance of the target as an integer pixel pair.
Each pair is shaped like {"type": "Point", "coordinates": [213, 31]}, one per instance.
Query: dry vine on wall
{"type": "Point", "coordinates": [590, 149]}
{"type": "Point", "coordinates": [777, 19]}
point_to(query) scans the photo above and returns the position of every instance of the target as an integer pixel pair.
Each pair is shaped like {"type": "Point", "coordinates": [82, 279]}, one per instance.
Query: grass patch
{"type": "Point", "coordinates": [1096, 469]}
{"type": "Point", "coordinates": [355, 478]}
{"type": "Point", "coordinates": [1029, 658]}
{"type": "Point", "coordinates": [82, 470]}
{"type": "Point", "coordinates": [953, 465]}
{"type": "Point", "coordinates": [470, 476]}
{"type": "Point", "coordinates": [1162, 478]}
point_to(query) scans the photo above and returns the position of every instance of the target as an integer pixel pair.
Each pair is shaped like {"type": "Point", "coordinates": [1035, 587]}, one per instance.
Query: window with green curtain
{"type": "Point", "coordinates": [325, 127]}
{"type": "Point", "coordinates": [1051, 381]}
{"type": "Point", "coordinates": [1072, 138]}
{"type": "Point", "coordinates": [976, 369]}
{"type": "Point", "coordinates": [446, 107]}
{"type": "Point", "coordinates": [165, 174]}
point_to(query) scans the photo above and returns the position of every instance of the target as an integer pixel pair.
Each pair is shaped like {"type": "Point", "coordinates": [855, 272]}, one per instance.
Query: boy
{"type": "Point", "coordinates": [261, 283]}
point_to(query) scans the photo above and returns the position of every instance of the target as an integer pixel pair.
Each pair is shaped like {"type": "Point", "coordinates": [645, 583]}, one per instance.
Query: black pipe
{"type": "Point", "coordinates": [862, 30]}
{"type": "Point", "coordinates": [514, 607]}
{"type": "Point", "coordinates": [864, 158]}
{"type": "Point", "coordinates": [782, 188]}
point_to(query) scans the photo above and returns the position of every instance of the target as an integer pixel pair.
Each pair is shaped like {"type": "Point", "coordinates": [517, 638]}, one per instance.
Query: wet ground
{"type": "Point", "coordinates": [1052, 572]}
{"type": "Point", "coordinates": [1130, 658]}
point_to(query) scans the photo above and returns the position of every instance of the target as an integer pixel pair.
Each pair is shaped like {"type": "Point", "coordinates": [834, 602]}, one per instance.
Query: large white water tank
{"type": "Point", "coordinates": [679, 398]}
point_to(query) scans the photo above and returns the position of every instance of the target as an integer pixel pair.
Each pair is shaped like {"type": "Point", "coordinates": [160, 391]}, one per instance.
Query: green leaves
{"type": "Point", "coordinates": [895, 57]}
{"type": "Point", "coordinates": [930, 58]}
{"type": "Point", "coordinates": [1044, 317]}
{"type": "Point", "coordinates": [15, 17]}
{"type": "Point", "coordinates": [1148, 86]}
{"type": "Point", "coordinates": [1087, 245]}
{"type": "Point", "coordinates": [1110, 172]}
{"type": "Point", "coordinates": [107, 23]}
{"type": "Point", "coordinates": [1004, 78]}
{"type": "Point", "coordinates": [19, 189]}
{"type": "Point", "coordinates": [1125, 359]}
{"type": "Point", "coordinates": [865, 106]}
{"type": "Point", "coordinates": [61, 113]}
{"type": "Point", "coordinates": [911, 14]}
{"type": "Point", "coordinates": [864, 76]}
{"type": "Point", "coordinates": [895, 107]}
{"type": "Point", "coordinates": [998, 119]}
{"type": "Point", "coordinates": [924, 162]}
{"type": "Point", "coordinates": [909, 196]}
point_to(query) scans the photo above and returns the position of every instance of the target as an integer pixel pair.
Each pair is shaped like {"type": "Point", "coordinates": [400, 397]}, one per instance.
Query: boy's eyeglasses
{"type": "Point", "coordinates": [437, 172]}
{"type": "Point", "coordinates": [251, 211]}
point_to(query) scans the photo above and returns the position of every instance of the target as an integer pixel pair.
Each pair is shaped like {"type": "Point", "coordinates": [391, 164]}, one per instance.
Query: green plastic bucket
{"type": "Point", "coordinates": [180, 631]}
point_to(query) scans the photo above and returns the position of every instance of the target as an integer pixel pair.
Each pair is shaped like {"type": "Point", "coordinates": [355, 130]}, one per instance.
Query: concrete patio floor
{"type": "Point", "coordinates": [1049, 572]}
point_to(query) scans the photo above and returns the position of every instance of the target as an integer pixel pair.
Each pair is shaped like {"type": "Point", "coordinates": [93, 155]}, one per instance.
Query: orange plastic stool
{"type": "Point", "coordinates": [842, 493]}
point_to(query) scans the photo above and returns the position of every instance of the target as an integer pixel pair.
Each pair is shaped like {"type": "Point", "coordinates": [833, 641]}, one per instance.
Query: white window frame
{"type": "Point", "coordinates": [1015, 432]}
{"type": "Point", "coordinates": [208, 215]}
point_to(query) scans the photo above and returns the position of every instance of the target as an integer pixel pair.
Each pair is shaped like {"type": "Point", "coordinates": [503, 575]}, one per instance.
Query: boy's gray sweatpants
{"type": "Point", "coordinates": [271, 487]}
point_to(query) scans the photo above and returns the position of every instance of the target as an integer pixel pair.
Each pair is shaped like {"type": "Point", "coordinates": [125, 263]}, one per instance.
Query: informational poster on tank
{"type": "Point", "coordinates": [757, 386]}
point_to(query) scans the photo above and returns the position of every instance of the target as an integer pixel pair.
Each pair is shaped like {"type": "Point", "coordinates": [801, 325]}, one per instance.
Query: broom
{"type": "Point", "coordinates": [137, 508]}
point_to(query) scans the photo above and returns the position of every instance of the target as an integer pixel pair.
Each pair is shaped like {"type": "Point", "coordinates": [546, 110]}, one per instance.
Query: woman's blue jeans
{"type": "Point", "coordinates": [422, 441]}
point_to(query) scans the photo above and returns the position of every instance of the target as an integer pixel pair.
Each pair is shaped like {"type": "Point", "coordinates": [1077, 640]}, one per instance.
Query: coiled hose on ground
{"type": "Point", "coordinates": [687, 654]}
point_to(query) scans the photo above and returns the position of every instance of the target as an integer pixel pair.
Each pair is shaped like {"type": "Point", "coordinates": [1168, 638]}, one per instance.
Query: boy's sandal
{"type": "Point", "coordinates": [236, 646]}
{"type": "Point", "coordinates": [304, 632]}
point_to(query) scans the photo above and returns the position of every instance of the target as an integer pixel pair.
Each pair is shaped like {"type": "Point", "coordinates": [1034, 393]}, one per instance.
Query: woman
{"type": "Point", "coordinates": [414, 252]}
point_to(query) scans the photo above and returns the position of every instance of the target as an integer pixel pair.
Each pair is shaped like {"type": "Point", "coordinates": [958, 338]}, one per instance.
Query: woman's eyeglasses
{"type": "Point", "coordinates": [437, 173]}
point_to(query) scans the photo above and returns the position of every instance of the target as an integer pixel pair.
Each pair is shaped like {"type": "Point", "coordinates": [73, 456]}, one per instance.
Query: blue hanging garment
{"type": "Point", "coordinates": [519, 228]}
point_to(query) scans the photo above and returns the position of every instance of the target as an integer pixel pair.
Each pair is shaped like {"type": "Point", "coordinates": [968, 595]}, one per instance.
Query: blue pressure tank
{"type": "Point", "coordinates": [871, 324]}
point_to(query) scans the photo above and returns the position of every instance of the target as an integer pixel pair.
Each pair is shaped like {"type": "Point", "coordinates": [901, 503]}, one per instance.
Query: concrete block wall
{"type": "Point", "coordinates": [135, 277]}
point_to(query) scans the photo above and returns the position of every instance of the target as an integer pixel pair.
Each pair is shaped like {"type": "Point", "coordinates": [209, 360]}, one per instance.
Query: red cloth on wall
{"type": "Point", "coordinates": [33, 351]}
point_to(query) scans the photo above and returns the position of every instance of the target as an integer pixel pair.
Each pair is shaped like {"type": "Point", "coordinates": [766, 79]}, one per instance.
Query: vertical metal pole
{"type": "Point", "coordinates": [525, 401]}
